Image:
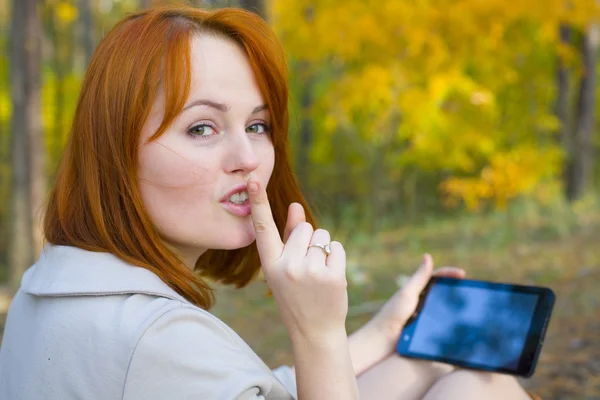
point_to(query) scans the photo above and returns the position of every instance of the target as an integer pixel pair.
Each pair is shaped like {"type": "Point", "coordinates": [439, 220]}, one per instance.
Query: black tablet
{"type": "Point", "coordinates": [480, 325]}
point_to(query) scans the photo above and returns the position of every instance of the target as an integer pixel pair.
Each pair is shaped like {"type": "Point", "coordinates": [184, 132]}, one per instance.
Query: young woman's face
{"type": "Point", "coordinates": [188, 175]}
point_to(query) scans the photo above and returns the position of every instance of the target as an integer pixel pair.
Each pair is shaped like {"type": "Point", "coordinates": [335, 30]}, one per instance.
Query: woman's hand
{"type": "Point", "coordinates": [391, 318]}
{"type": "Point", "coordinates": [394, 314]}
{"type": "Point", "coordinates": [376, 340]}
{"type": "Point", "coordinates": [311, 292]}
{"type": "Point", "coordinates": [309, 286]}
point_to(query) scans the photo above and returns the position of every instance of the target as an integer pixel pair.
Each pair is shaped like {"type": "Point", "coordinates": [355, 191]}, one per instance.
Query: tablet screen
{"type": "Point", "coordinates": [474, 325]}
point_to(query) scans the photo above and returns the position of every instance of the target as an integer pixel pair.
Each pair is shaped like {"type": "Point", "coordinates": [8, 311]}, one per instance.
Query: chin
{"type": "Point", "coordinates": [241, 239]}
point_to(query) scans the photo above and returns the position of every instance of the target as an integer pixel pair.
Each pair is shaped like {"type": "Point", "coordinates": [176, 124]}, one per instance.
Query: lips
{"type": "Point", "coordinates": [240, 210]}
{"type": "Point", "coordinates": [236, 189]}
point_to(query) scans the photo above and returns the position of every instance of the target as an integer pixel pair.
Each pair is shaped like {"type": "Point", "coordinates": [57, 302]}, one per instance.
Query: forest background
{"type": "Point", "coordinates": [464, 128]}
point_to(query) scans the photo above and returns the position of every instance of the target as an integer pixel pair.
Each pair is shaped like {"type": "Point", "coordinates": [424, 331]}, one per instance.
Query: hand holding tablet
{"type": "Point", "coordinates": [479, 325]}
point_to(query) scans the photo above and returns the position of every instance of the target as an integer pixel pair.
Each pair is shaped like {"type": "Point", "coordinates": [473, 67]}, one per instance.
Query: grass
{"type": "Point", "coordinates": [554, 246]}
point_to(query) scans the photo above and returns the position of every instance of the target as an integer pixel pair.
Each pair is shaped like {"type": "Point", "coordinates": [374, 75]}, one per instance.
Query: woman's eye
{"type": "Point", "coordinates": [257, 128]}
{"type": "Point", "coordinates": [201, 130]}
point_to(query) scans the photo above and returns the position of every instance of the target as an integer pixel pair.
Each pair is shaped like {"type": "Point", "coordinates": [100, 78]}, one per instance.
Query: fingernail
{"type": "Point", "coordinates": [248, 177]}
{"type": "Point", "coordinates": [252, 187]}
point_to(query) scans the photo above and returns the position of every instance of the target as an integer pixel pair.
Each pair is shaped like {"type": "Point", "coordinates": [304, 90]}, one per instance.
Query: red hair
{"type": "Point", "coordinates": [95, 203]}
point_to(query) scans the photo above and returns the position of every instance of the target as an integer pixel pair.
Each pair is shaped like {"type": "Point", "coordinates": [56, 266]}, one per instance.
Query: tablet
{"type": "Point", "coordinates": [480, 325]}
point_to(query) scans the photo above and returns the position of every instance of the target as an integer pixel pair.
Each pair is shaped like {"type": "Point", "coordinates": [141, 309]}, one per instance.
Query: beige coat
{"type": "Point", "coordinates": [87, 325]}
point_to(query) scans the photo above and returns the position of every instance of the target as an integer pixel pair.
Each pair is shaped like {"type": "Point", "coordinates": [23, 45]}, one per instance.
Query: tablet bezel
{"type": "Point", "coordinates": [533, 341]}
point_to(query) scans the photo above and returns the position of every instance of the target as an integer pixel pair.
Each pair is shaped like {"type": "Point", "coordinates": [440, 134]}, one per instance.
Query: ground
{"type": "Point", "coordinates": [540, 249]}
{"type": "Point", "coordinates": [560, 251]}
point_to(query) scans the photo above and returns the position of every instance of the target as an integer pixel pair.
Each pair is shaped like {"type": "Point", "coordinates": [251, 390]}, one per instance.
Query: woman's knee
{"type": "Point", "coordinates": [468, 384]}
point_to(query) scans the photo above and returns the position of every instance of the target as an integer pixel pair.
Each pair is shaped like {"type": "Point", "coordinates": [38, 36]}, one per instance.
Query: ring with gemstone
{"type": "Point", "coordinates": [325, 247]}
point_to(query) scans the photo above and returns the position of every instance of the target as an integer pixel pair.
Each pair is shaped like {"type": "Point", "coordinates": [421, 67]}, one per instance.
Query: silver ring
{"type": "Point", "coordinates": [325, 247]}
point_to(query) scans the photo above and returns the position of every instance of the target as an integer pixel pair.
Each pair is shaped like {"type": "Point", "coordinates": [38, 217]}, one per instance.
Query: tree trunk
{"type": "Point", "coordinates": [582, 158]}
{"type": "Point", "coordinates": [27, 145]}
{"type": "Point", "coordinates": [561, 107]}
{"type": "Point", "coordinates": [257, 6]}
{"type": "Point", "coordinates": [87, 29]}
{"type": "Point", "coordinates": [562, 83]}
{"type": "Point", "coordinates": [5, 177]}
{"type": "Point", "coordinates": [35, 131]}
{"type": "Point", "coordinates": [305, 131]}
{"type": "Point", "coordinates": [61, 49]}
{"type": "Point", "coordinates": [145, 4]}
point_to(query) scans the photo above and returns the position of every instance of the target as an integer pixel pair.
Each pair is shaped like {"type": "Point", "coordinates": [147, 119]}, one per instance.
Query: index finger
{"type": "Point", "coordinates": [268, 242]}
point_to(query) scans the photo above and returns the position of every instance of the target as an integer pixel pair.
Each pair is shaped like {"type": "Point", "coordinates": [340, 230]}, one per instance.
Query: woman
{"type": "Point", "coordinates": [177, 163]}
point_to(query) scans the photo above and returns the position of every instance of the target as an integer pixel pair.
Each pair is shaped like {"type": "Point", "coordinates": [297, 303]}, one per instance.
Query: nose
{"type": "Point", "coordinates": [240, 154]}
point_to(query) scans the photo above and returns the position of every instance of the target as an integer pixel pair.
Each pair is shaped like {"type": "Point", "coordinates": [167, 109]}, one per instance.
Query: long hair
{"type": "Point", "coordinates": [95, 203]}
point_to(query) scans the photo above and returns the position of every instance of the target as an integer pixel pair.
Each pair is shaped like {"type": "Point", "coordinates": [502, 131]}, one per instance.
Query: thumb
{"type": "Point", "coordinates": [418, 281]}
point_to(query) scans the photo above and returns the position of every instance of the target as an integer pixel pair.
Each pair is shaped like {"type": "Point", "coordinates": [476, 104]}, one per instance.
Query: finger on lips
{"type": "Point", "coordinates": [298, 234]}
{"type": "Point", "coordinates": [268, 242]}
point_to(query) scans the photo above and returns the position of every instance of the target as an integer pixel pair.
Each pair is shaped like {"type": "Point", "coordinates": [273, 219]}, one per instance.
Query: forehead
{"type": "Point", "coordinates": [221, 71]}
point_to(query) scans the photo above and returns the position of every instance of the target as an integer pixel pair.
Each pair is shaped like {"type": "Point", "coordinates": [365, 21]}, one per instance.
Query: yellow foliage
{"type": "Point", "coordinates": [461, 86]}
{"type": "Point", "coordinates": [5, 105]}
{"type": "Point", "coordinates": [508, 176]}
{"type": "Point", "coordinates": [65, 13]}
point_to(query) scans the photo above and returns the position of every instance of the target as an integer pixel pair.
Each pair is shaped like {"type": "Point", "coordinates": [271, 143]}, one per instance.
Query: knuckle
{"type": "Point", "coordinates": [344, 284]}
{"type": "Point", "coordinates": [261, 226]}
{"type": "Point", "coordinates": [337, 281]}
{"type": "Point", "coordinates": [340, 281]}
{"type": "Point", "coordinates": [292, 274]}
{"type": "Point", "coordinates": [257, 200]}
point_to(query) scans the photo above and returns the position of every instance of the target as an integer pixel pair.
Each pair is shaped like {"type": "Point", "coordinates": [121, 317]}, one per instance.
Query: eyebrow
{"type": "Point", "coordinates": [219, 106]}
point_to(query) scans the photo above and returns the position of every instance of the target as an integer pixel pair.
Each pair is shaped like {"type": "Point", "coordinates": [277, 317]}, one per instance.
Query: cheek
{"type": "Point", "coordinates": [266, 156]}
{"type": "Point", "coordinates": [173, 187]}
{"type": "Point", "coordinates": [162, 165]}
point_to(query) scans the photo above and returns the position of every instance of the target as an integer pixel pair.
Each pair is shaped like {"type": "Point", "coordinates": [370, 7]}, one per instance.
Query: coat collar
{"type": "Point", "coordinates": [71, 271]}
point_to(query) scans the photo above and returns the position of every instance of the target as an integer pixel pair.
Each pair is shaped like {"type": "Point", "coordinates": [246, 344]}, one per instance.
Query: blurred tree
{"type": "Point", "coordinates": [581, 160]}
{"type": "Point", "coordinates": [306, 87]}
{"type": "Point", "coordinates": [27, 148]}
{"type": "Point", "coordinates": [464, 88]}
{"type": "Point", "coordinates": [257, 6]}
{"type": "Point", "coordinates": [5, 150]}
{"type": "Point", "coordinates": [87, 29]}
{"type": "Point", "coordinates": [59, 25]}
{"type": "Point", "coordinates": [304, 142]}
{"type": "Point", "coordinates": [562, 96]}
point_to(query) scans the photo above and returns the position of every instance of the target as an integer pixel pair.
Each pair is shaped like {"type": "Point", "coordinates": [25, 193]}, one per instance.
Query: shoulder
{"type": "Point", "coordinates": [170, 319]}
{"type": "Point", "coordinates": [188, 352]}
